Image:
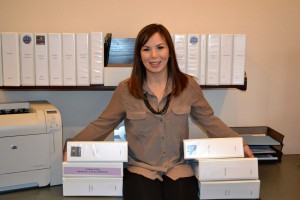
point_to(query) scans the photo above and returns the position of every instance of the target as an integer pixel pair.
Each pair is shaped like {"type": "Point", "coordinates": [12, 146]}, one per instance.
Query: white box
{"type": "Point", "coordinates": [92, 186]}
{"type": "Point", "coordinates": [96, 57]}
{"type": "Point", "coordinates": [247, 189]}
{"type": "Point", "coordinates": [180, 45]}
{"type": "Point", "coordinates": [41, 59]}
{"type": "Point", "coordinates": [55, 59]}
{"type": "Point", "coordinates": [97, 151]}
{"type": "Point", "coordinates": [193, 57]}
{"type": "Point", "coordinates": [213, 148]}
{"type": "Point", "coordinates": [95, 169]}
{"type": "Point", "coordinates": [1, 68]}
{"type": "Point", "coordinates": [114, 75]}
{"type": "Point", "coordinates": [226, 169]}
{"type": "Point", "coordinates": [68, 59]}
{"type": "Point", "coordinates": [27, 59]}
{"type": "Point", "coordinates": [226, 59]}
{"type": "Point", "coordinates": [213, 59]}
{"type": "Point", "coordinates": [82, 59]}
{"type": "Point", "coordinates": [10, 59]}
{"type": "Point", "coordinates": [239, 54]}
{"type": "Point", "coordinates": [203, 45]}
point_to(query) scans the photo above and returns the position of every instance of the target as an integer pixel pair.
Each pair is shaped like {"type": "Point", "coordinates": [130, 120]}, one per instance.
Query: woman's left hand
{"type": "Point", "coordinates": [248, 152]}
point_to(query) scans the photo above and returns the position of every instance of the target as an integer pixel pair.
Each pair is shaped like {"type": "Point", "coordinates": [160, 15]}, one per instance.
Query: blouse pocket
{"type": "Point", "coordinates": [180, 121]}
{"type": "Point", "coordinates": [182, 110]}
{"type": "Point", "coordinates": [136, 115]}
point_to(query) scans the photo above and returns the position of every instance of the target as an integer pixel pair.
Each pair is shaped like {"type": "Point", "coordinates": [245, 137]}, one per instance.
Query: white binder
{"type": "Point", "coordinates": [82, 59]}
{"type": "Point", "coordinates": [226, 59]}
{"type": "Point", "coordinates": [202, 73]}
{"type": "Point", "coordinates": [193, 58]}
{"type": "Point", "coordinates": [55, 59]}
{"type": "Point", "coordinates": [27, 59]}
{"type": "Point", "coordinates": [10, 59]}
{"type": "Point", "coordinates": [180, 45]}
{"type": "Point", "coordinates": [68, 57]}
{"type": "Point", "coordinates": [41, 59]}
{"type": "Point", "coordinates": [1, 68]}
{"type": "Point", "coordinates": [213, 59]}
{"type": "Point", "coordinates": [239, 54]}
{"type": "Point", "coordinates": [96, 58]}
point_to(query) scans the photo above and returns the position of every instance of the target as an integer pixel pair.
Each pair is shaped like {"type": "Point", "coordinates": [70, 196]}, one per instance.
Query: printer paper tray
{"type": "Point", "coordinates": [32, 152]}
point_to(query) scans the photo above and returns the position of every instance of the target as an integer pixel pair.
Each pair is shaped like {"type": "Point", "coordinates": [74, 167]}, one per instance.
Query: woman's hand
{"type": "Point", "coordinates": [65, 156]}
{"type": "Point", "coordinates": [248, 152]}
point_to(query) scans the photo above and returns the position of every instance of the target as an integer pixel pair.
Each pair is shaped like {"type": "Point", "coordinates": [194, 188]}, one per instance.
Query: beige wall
{"type": "Point", "coordinates": [272, 62]}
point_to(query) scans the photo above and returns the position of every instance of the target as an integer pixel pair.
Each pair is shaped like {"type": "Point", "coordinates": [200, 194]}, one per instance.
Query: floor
{"type": "Point", "coordinates": [279, 181]}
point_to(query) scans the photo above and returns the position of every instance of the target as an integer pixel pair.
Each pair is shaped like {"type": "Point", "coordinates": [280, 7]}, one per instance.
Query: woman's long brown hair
{"type": "Point", "coordinates": [138, 75]}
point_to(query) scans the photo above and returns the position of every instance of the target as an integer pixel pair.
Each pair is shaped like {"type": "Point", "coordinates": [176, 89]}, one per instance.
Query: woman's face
{"type": "Point", "coordinates": [155, 54]}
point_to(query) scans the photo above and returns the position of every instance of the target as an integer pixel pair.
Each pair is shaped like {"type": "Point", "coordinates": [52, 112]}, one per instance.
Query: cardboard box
{"type": "Point", "coordinates": [87, 186]}
{"type": "Point", "coordinates": [106, 151]}
{"type": "Point", "coordinates": [213, 148]}
{"type": "Point", "coordinates": [96, 169]}
{"type": "Point", "coordinates": [226, 169]}
{"type": "Point", "coordinates": [248, 189]}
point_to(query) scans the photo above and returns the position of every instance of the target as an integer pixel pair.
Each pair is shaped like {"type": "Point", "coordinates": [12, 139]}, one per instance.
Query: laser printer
{"type": "Point", "coordinates": [30, 145]}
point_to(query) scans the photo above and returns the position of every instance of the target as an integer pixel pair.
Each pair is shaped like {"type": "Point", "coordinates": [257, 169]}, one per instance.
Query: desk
{"type": "Point", "coordinates": [279, 181]}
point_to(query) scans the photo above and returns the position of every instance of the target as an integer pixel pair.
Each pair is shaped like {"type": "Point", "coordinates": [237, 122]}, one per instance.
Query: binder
{"type": "Point", "coordinates": [213, 148]}
{"type": "Point", "coordinates": [10, 59]}
{"type": "Point", "coordinates": [68, 59]}
{"type": "Point", "coordinates": [226, 59]}
{"type": "Point", "coordinates": [96, 58]}
{"type": "Point", "coordinates": [55, 59]}
{"type": "Point", "coordinates": [213, 59]}
{"type": "Point", "coordinates": [203, 45]}
{"type": "Point", "coordinates": [239, 54]}
{"type": "Point", "coordinates": [180, 45]}
{"type": "Point", "coordinates": [243, 189]}
{"type": "Point", "coordinates": [82, 59]}
{"type": "Point", "coordinates": [41, 59]}
{"type": "Point", "coordinates": [87, 186]}
{"type": "Point", "coordinates": [193, 57]}
{"type": "Point", "coordinates": [27, 59]}
{"type": "Point", "coordinates": [226, 169]}
{"type": "Point", "coordinates": [1, 67]}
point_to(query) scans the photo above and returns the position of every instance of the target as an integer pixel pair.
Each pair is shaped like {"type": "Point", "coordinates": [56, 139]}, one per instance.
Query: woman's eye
{"type": "Point", "coordinates": [145, 50]}
{"type": "Point", "coordinates": [160, 47]}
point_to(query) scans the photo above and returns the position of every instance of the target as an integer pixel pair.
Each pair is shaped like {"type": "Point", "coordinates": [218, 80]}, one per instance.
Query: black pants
{"type": "Point", "coordinates": [138, 187]}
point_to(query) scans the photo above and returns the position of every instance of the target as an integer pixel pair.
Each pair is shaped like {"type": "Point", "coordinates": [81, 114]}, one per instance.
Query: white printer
{"type": "Point", "coordinates": [30, 145]}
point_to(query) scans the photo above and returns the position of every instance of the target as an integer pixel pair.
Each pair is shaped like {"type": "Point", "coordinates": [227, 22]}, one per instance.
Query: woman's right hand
{"type": "Point", "coordinates": [65, 156]}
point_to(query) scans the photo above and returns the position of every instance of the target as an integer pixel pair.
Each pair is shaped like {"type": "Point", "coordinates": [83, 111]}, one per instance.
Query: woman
{"type": "Point", "coordinates": [155, 103]}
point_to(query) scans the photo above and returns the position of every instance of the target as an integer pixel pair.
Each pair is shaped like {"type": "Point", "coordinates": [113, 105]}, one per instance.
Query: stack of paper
{"type": "Point", "coordinates": [94, 168]}
{"type": "Point", "coordinates": [221, 169]}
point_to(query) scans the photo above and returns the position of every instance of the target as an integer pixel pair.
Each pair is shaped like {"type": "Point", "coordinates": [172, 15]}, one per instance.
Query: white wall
{"type": "Point", "coordinates": [272, 60]}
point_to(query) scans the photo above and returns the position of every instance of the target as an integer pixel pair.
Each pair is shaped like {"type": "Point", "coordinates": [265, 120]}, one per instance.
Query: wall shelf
{"type": "Point", "coordinates": [105, 88]}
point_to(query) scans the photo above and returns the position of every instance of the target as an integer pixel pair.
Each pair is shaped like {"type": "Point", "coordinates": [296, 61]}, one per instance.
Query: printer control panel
{"type": "Point", "coordinates": [53, 120]}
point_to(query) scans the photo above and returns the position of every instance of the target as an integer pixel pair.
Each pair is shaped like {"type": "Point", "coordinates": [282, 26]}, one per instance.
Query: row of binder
{"type": "Point", "coordinates": [214, 59]}
{"type": "Point", "coordinates": [221, 169]}
{"type": "Point", "coordinates": [94, 168]}
{"type": "Point", "coordinates": [55, 59]}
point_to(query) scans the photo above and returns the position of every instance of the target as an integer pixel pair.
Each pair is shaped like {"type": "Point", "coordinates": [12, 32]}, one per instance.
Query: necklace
{"type": "Point", "coordinates": [163, 111]}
